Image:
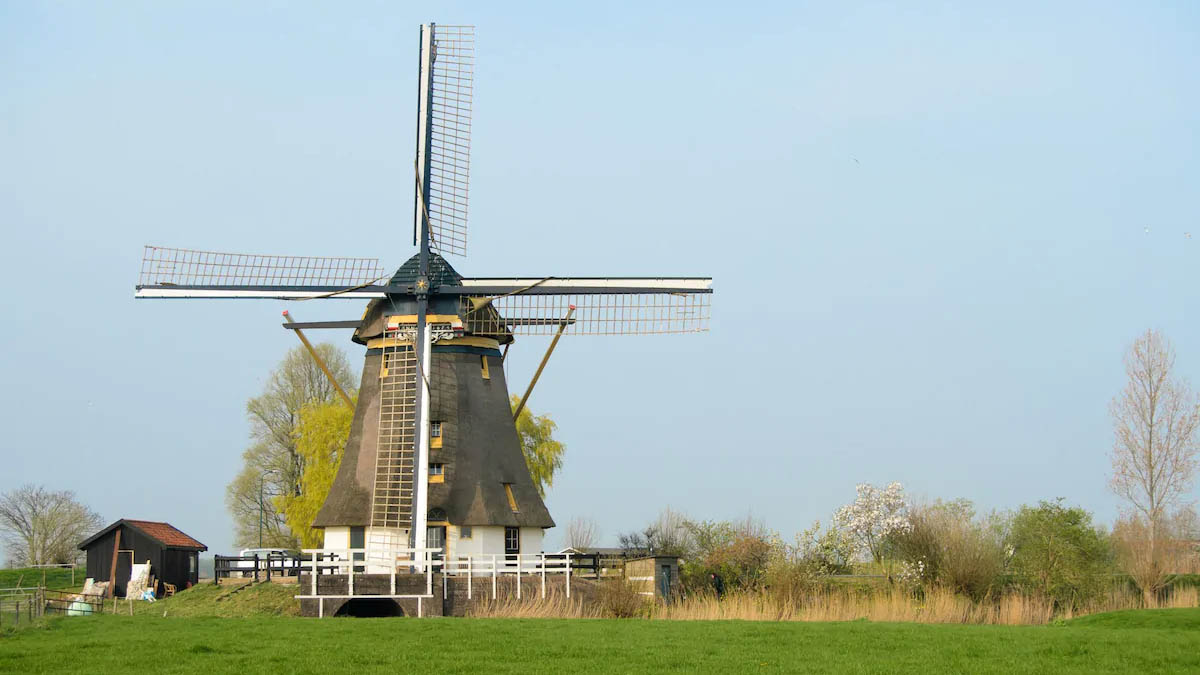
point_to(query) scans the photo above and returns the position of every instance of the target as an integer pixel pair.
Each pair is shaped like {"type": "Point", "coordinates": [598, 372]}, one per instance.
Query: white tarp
{"type": "Point", "coordinates": [139, 579]}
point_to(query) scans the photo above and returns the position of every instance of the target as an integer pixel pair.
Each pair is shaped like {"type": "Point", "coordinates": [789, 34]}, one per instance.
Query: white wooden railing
{"type": "Point", "coordinates": [516, 564]}
{"type": "Point", "coordinates": [342, 561]}
{"type": "Point", "coordinates": [427, 561]}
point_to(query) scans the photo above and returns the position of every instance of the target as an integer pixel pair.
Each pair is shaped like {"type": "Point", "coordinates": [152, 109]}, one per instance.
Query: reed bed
{"type": "Point", "coordinates": [555, 605]}
{"type": "Point", "coordinates": [888, 605]}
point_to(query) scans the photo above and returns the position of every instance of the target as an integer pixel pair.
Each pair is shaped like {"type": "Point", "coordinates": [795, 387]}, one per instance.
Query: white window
{"type": "Point", "coordinates": [435, 429]}
{"type": "Point", "coordinates": [465, 532]}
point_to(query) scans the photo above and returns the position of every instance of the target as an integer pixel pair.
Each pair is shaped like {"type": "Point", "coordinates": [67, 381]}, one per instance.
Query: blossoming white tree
{"type": "Point", "coordinates": [874, 515]}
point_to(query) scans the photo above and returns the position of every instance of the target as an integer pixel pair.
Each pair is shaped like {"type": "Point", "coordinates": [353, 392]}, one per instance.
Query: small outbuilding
{"type": "Point", "coordinates": [173, 555]}
{"type": "Point", "coordinates": [656, 576]}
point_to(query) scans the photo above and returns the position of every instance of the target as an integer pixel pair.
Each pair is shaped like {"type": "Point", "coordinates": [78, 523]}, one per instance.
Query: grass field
{"type": "Point", "coordinates": [56, 578]}
{"type": "Point", "coordinates": [1135, 641]}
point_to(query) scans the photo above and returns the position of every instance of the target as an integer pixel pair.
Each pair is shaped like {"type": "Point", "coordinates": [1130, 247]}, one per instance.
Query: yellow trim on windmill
{"type": "Point", "coordinates": [397, 320]}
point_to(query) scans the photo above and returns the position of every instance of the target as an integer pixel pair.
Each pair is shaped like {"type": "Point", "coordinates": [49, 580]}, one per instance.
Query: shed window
{"type": "Point", "coordinates": [192, 564]}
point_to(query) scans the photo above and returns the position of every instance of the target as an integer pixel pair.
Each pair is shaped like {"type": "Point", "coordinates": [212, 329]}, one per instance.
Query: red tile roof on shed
{"type": "Point", "coordinates": [166, 533]}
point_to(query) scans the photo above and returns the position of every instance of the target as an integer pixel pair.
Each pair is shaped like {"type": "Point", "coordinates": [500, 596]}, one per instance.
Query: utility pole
{"type": "Point", "coordinates": [262, 504]}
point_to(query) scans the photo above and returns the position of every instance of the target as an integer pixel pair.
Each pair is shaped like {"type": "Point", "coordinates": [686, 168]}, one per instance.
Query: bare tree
{"type": "Point", "coordinates": [271, 466]}
{"type": "Point", "coordinates": [40, 527]}
{"type": "Point", "coordinates": [582, 533]}
{"type": "Point", "coordinates": [1155, 453]}
{"type": "Point", "coordinates": [669, 534]}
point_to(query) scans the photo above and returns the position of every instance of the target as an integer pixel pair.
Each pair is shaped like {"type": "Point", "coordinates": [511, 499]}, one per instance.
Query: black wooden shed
{"type": "Point", "coordinates": [173, 555]}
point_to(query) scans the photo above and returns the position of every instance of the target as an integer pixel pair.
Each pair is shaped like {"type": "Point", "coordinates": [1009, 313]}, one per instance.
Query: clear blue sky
{"type": "Point", "coordinates": [926, 224]}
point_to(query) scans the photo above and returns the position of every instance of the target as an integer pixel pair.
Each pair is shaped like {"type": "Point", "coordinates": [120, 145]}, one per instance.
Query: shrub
{"type": "Point", "coordinates": [1059, 554]}
{"type": "Point", "coordinates": [738, 552]}
{"type": "Point", "coordinates": [946, 545]}
{"type": "Point", "coordinates": [617, 599]}
{"type": "Point", "coordinates": [1151, 555]}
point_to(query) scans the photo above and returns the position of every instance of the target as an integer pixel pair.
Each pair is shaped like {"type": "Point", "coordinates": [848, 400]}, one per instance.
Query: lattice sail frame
{"type": "Point", "coordinates": [595, 313]}
{"type": "Point", "coordinates": [453, 86]}
{"type": "Point", "coordinates": [393, 491]}
{"type": "Point", "coordinates": [189, 267]}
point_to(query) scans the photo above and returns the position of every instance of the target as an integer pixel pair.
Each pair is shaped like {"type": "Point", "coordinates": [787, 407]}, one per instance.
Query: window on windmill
{"type": "Point", "coordinates": [483, 365]}
{"type": "Point", "coordinates": [437, 472]}
{"type": "Point", "coordinates": [435, 434]}
{"type": "Point", "coordinates": [512, 540]}
{"type": "Point", "coordinates": [512, 501]}
{"type": "Point", "coordinates": [464, 532]}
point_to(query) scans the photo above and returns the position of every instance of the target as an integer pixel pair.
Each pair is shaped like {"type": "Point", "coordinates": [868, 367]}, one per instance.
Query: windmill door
{"type": "Point", "coordinates": [435, 537]}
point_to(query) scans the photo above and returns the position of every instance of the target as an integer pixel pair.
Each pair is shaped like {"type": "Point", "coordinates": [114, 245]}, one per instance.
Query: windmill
{"type": "Point", "coordinates": [433, 455]}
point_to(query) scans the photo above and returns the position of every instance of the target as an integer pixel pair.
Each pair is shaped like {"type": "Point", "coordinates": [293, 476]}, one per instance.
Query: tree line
{"type": "Point", "coordinates": [1052, 550]}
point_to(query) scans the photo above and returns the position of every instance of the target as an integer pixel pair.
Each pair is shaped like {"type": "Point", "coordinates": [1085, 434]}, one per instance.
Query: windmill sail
{"type": "Point", "coordinates": [603, 306]}
{"type": "Point", "coordinates": [445, 110]}
{"type": "Point", "coordinates": [188, 273]}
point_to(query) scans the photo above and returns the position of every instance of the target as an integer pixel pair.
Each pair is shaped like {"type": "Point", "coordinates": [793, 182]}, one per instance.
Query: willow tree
{"type": "Point", "coordinates": [272, 466]}
{"type": "Point", "coordinates": [543, 454]}
{"type": "Point", "coordinates": [320, 437]}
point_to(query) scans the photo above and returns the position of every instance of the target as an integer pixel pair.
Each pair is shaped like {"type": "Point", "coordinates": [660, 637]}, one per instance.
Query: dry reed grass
{"type": "Point", "coordinates": [556, 605]}
{"type": "Point", "coordinates": [892, 605]}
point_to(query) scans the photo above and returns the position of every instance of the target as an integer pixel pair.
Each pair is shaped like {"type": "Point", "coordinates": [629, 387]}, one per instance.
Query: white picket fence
{"type": "Point", "coordinates": [401, 560]}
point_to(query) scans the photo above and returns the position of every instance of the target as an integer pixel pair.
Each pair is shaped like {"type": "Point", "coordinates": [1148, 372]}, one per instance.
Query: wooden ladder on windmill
{"type": "Point", "coordinates": [392, 498]}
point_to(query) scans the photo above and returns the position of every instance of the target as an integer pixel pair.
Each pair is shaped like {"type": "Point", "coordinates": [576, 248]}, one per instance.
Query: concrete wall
{"type": "Point", "coordinates": [337, 537]}
{"type": "Point", "coordinates": [488, 540]}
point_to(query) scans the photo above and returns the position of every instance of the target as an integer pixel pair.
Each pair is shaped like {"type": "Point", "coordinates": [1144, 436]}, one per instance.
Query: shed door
{"type": "Point", "coordinates": [124, 569]}
{"type": "Point", "coordinates": [664, 581]}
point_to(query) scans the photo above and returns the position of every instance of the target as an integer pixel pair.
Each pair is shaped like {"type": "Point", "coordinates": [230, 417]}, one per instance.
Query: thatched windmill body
{"type": "Point", "coordinates": [433, 456]}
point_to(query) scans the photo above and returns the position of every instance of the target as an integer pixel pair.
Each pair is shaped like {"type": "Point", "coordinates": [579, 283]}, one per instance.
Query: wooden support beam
{"type": "Point", "coordinates": [320, 362]}
{"type": "Point", "coordinates": [112, 570]}
{"type": "Point", "coordinates": [553, 343]}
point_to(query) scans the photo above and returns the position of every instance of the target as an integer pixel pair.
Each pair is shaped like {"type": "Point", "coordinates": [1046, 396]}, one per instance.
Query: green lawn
{"type": "Point", "coordinates": [57, 578]}
{"type": "Point", "coordinates": [1161, 641]}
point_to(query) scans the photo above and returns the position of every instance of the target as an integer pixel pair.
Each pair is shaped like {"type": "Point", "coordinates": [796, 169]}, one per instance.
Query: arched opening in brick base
{"type": "Point", "coordinates": [370, 607]}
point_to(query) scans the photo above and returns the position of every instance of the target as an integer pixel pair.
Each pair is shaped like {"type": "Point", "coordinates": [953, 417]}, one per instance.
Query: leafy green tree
{"type": "Point", "coordinates": [271, 466]}
{"type": "Point", "coordinates": [320, 437]}
{"type": "Point", "coordinates": [543, 454]}
{"type": "Point", "coordinates": [1058, 553]}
